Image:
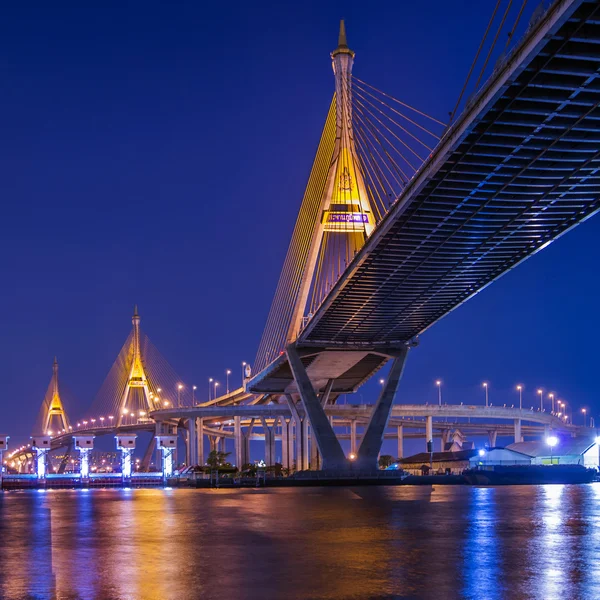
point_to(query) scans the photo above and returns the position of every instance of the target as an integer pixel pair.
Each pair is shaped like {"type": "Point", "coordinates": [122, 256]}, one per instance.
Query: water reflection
{"type": "Point", "coordinates": [403, 542]}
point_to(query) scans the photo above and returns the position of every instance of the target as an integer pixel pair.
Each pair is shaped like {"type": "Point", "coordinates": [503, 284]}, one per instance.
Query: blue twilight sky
{"type": "Point", "coordinates": [156, 153]}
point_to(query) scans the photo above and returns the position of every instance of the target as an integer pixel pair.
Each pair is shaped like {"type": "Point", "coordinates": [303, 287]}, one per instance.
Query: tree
{"type": "Point", "coordinates": [385, 460]}
{"type": "Point", "coordinates": [218, 459]}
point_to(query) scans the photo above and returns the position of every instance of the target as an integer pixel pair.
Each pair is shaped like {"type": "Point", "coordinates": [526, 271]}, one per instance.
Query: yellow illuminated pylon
{"type": "Point", "coordinates": [137, 375]}
{"type": "Point", "coordinates": [345, 207]}
{"type": "Point", "coordinates": [55, 408]}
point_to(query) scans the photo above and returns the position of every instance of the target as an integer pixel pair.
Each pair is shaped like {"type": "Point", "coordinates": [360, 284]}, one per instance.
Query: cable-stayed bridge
{"type": "Point", "coordinates": [403, 220]}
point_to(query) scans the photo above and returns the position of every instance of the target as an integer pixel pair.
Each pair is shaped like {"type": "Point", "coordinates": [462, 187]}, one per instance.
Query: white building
{"type": "Point", "coordinates": [499, 456]}
{"type": "Point", "coordinates": [567, 451]}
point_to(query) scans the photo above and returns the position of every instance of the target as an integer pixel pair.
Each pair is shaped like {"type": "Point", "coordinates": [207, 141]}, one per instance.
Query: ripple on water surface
{"type": "Point", "coordinates": [302, 543]}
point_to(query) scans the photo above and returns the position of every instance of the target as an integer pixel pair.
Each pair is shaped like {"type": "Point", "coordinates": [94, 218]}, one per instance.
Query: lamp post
{"type": "Point", "coordinates": [551, 396]}
{"type": "Point", "coordinates": [194, 394]}
{"type": "Point", "coordinates": [520, 389]}
{"type": "Point", "coordinates": [216, 386]}
{"type": "Point", "coordinates": [439, 386]}
{"type": "Point", "coordinates": [210, 380]}
{"type": "Point", "coordinates": [485, 386]}
{"type": "Point", "coordinates": [551, 440]}
{"type": "Point", "coordinates": [227, 374]}
{"type": "Point", "coordinates": [584, 411]}
{"type": "Point", "coordinates": [541, 393]}
{"type": "Point", "coordinates": [179, 388]}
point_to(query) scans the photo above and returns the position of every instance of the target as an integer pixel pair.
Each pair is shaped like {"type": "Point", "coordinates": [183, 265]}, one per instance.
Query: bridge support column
{"type": "Point", "coordinates": [269, 442]}
{"type": "Point", "coordinates": [200, 449]}
{"type": "Point", "coordinates": [126, 444]}
{"type": "Point", "coordinates": [192, 443]}
{"type": "Point", "coordinates": [305, 443]}
{"type": "Point", "coordinates": [353, 437]}
{"type": "Point", "coordinates": [246, 447]}
{"type": "Point", "coordinates": [285, 443]}
{"type": "Point", "coordinates": [41, 446]}
{"type": "Point", "coordinates": [297, 436]}
{"type": "Point", "coordinates": [238, 442]}
{"type": "Point", "coordinates": [492, 438]}
{"type": "Point", "coordinates": [444, 439]}
{"type": "Point", "coordinates": [400, 441]}
{"type": "Point", "coordinates": [314, 453]}
{"type": "Point", "coordinates": [372, 439]}
{"type": "Point", "coordinates": [329, 445]}
{"type": "Point", "coordinates": [518, 436]}
{"type": "Point", "coordinates": [429, 432]}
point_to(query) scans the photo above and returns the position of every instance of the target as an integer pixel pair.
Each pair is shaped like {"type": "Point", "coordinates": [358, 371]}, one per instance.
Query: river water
{"type": "Point", "coordinates": [302, 543]}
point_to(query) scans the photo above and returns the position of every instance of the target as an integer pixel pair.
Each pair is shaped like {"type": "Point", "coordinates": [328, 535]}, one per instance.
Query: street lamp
{"type": "Point", "coordinates": [520, 388]}
{"type": "Point", "coordinates": [551, 440]}
{"type": "Point", "coordinates": [584, 411]}
{"type": "Point", "coordinates": [243, 372]}
{"type": "Point", "coordinates": [381, 381]}
{"type": "Point", "coordinates": [551, 396]}
{"type": "Point", "coordinates": [227, 374]}
{"type": "Point", "coordinates": [563, 407]}
{"type": "Point", "coordinates": [541, 392]}
{"type": "Point", "coordinates": [216, 386]}
{"type": "Point", "coordinates": [179, 388]}
{"type": "Point", "coordinates": [485, 386]}
{"type": "Point", "coordinates": [101, 421]}
{"type": "Point", "coordinates": [439, 386]}
{"type": "Point", "coordinates": [210, 380]}
{"type": "Point", "coordinates": [194, 394]}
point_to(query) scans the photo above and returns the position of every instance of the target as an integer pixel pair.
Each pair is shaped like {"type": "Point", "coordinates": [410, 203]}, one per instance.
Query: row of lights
{"type": "Point", "coordinates": [157, 400]}
{"type": "Point", "coordinates": [213, 384]}
{"type": "Point", "coordinates": [562, 413]}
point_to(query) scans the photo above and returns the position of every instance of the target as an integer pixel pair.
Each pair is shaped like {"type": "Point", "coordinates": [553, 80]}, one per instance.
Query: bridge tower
{"type": "Point", "coordinates": [345, 210]}
{"type": "Point", "coordinates": [52, 415]}
{"type": "Point", "coordinates": [336, 217]}
{"type": "Point", "coordinates": [338, 213]}
{"type": "Point", "coordinates": [56, 409]}
{"type": "Point", "coordinates": [137, 378]}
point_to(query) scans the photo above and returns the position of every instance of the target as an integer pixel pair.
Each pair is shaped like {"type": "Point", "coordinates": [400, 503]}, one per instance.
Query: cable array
{"type": "Point", "coordinates": [377, 142]}
{"type": "Point", "coordinates": [163, 384]}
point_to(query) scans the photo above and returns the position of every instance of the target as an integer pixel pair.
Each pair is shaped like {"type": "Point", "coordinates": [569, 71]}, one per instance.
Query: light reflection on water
{"type": "Point", "coordinates": [393, 542]}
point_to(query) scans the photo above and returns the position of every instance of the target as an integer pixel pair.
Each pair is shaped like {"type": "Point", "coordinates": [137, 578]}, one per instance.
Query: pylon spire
{"type": "Point", "coordinates": [55, 375]}
{"type": "Point", "coordinates": [342, 42]}
{"type": "Point", "coordinates": [342, 37]}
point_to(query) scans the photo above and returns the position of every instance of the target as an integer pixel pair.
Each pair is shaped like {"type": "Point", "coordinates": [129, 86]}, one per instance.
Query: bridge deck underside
{"type": "Point", "coordinates": [348, 370]}
{"type": "Point", "coordinates": [516, 176]}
